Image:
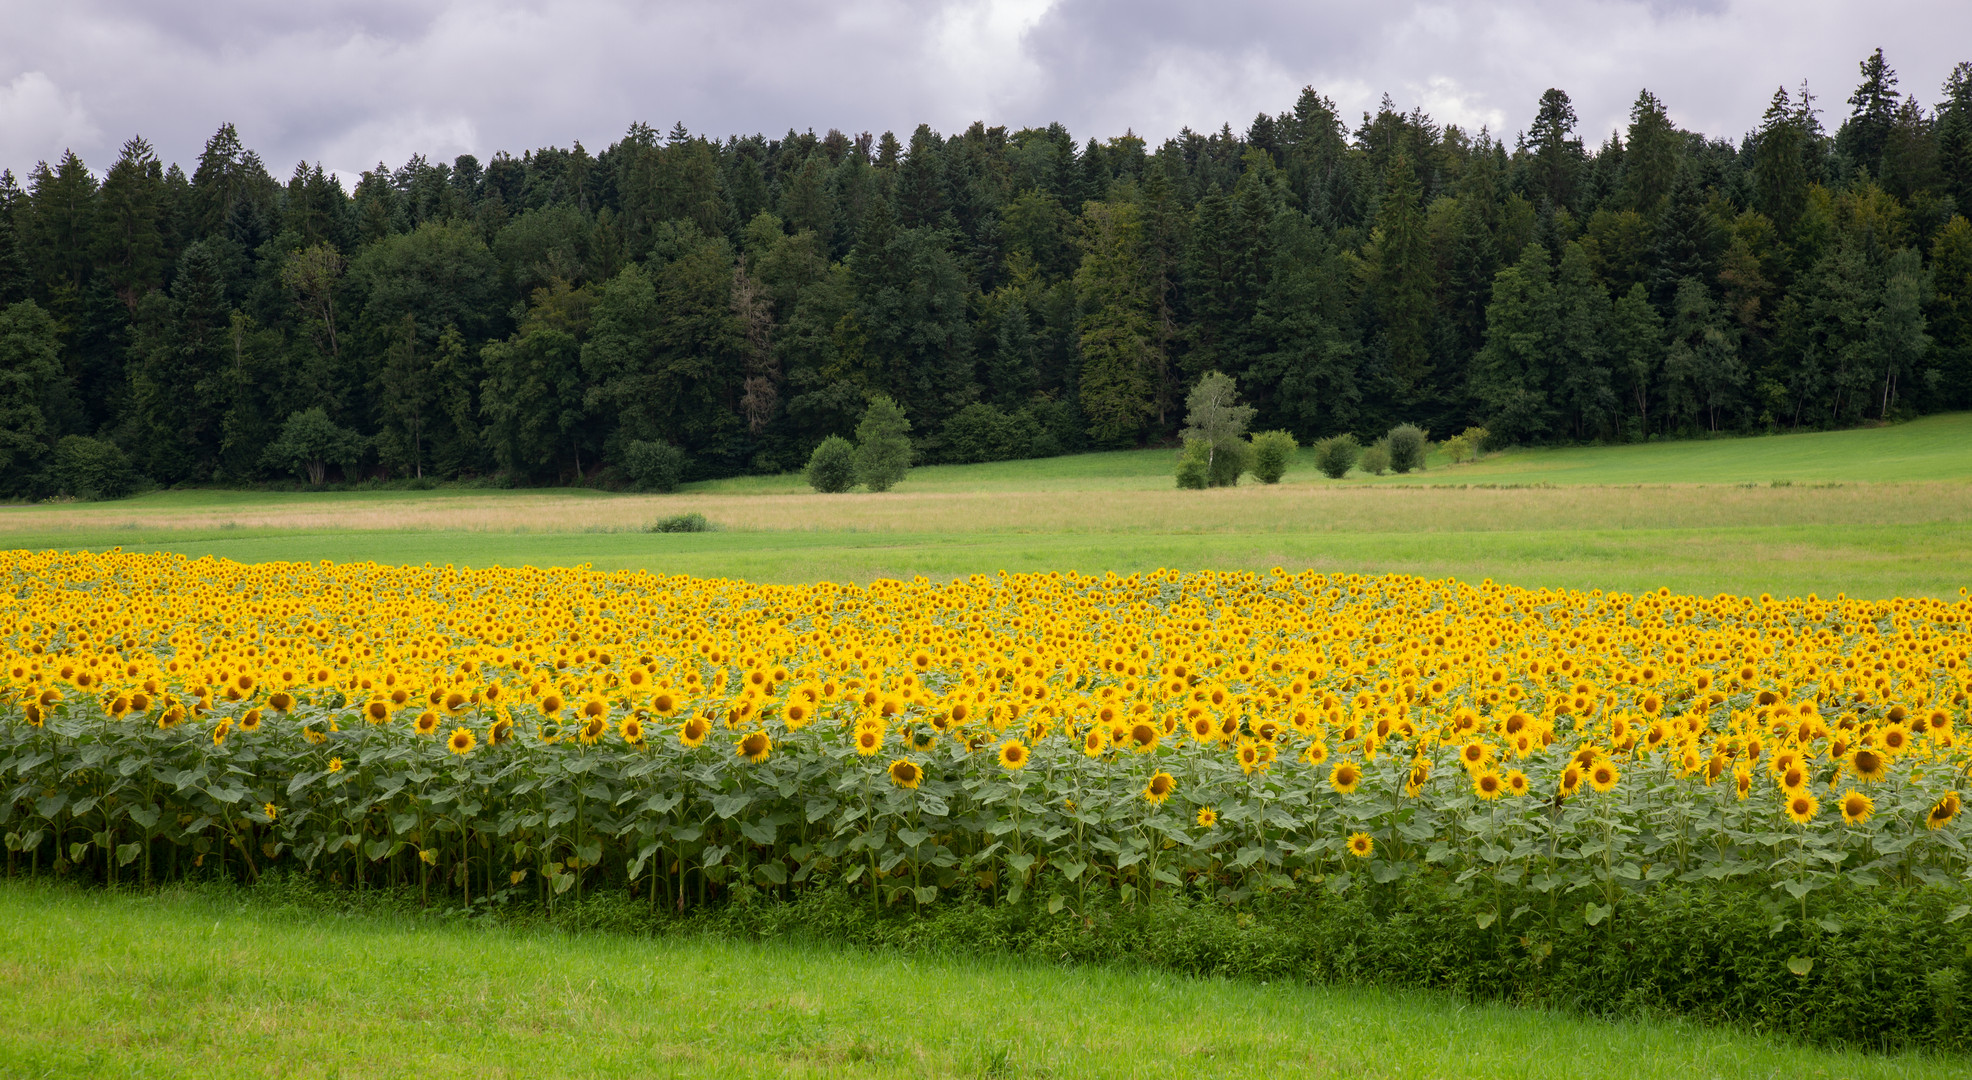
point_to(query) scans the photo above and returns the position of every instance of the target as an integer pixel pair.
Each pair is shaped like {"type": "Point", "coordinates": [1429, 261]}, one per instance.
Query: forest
{"type": "Point", "coordinates": [532, 319]}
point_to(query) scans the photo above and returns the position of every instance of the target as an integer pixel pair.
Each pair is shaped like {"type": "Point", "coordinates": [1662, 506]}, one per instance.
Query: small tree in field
{"type": "Point", "coordinates": [1214, 418]}
{"type": "Point", "coordinates": [310, 442]}
{"type": "Point", "coordinates": [832, 467]}
{"type": "Point", "coordinates": [1337, 454]}
{"type": "Point", "coordinates": [883, 445]}
{"type": "Point", "coordinates": [1273, 452]}
{"type": "Point", "coordinates": [1407, 444]}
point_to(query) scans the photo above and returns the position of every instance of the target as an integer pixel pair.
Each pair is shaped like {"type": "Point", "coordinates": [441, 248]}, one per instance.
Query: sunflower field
{"type": "Point", "coordinates": [502, 733]}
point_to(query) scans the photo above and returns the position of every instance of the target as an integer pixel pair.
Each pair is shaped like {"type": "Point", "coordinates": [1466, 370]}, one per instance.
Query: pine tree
{"type": "Point", "coordinates": [1511, 376]}
{"type": "Point", "coordinates": [1780, 177]}
{"type": "Point", "coordinates": [1404, 285]}
{"type": "Point", "coordinates": [1650, 161]}
{"type": "Point", "coordinates": [1555, 154]}
{"type": "Point", "coordinates": [1119, 359]}
{"type": "Point", "coordinates": [1954, 132]}
{"type": "Point", "coordinates": [1873, 113]}
{"type": "Point", "coordinates": [1584, 393]}
{"type": "Point", "coordinates": [129, 246]}
{"type": "Point", "coordinates": [1636, 347]}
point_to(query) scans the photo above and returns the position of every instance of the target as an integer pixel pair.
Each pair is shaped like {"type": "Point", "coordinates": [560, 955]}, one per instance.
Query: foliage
{"type": "Point", "coordinates": [1216, 422]}
{"type": "Point", "coordinates": [89, 468]}
{"type": "Point", "coordinates": [1466, 446]}
{"type": "Point", "coordinates": [310, 442]}
{"type": "Point", "coordinates": [654, 465]}
{"type": "Point", "coordinates": [832, 467]}
{"type": "Point", "coordinates": [1376, 457]}
{"type": "Point", "coordinates": [1408, 445]}
{"type": "Point", "coordinates": [1273, 452]}
{"type": "Point", "coordinates": [1337, 454]}
{"type": "Point", "coordinates": [711, 739]}
{"type": "Point", "coordinates": [883, 445]}
{"type": "Point", "coordinates": [692, 522]}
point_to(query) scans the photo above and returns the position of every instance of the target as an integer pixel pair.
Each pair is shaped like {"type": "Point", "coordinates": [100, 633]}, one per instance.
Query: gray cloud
{"type": "Point", "coordinates": [350, 83]}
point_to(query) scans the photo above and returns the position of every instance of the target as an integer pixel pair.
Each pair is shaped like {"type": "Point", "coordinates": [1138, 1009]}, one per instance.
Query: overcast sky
{"type": "Point", "coordinates": [350, 83]}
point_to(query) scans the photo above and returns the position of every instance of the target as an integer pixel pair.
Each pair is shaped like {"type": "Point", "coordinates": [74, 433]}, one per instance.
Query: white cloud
{"type": "Point", "coordinates": [38, 121]}
{"type": "Point", "coordinates": [351, 82]}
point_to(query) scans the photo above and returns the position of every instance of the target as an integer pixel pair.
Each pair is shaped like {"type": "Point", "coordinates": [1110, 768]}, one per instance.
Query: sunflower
{"type": "Point", "coordinates": [1895, 739]}
{"type": "Point", "coordinates": [592, 730]}
{"type": "Point", "coordinates": [1143, 737]}
{"type": "Point", "coordinates": [906, 774]}
{"type": "Point", "coordinates": [1160, 787]}
{"type": "Point", "coordinates": [665, 703]}
{"type": "Point", "coordinates": [335, 764]}
{"type": "Point", "coordinates": [1516, 782]}
{"type": "Point", "coordinates": [219, 732]}
{"type": "Point", "coordinates": [1345, 777]}
{"type": "Point", "coordinates": [1488, 784]}
{"type": "Point", "coordinates": [250, 721]}
{"type": "Point", "coordinates": [1095, 741]}
{"type": "Point", "coordinates": [632, 730]}
{"type": "Point", "coordinates": [1742, 782]}
{"type": "Point", "coordinates": [426, 723]}
{"type": "Point", "coordinates": [1474, 755]}
{"type": "Point", "coordinates": [1603, 775]}
{"type": "Point", "coordinates": [693, 731]}
{"type": "Point", "coordinates": [756, 746]}
{"type": "Point", "coordinates": [796, 714]}
{"type": "Point", "coordinates": [1361, 845]}
{"type": "Point", "coordinates": [1945, 809]}
{"type": "Point", "coordinates": [500, 733]}
{"type": "Point", "coordinates": [1207, 817]}
{"type": "Point", "coordinates": [1013, 754]}
{"type": "Point", "coordinates": [456, 700]}
{"type": "Point", "coordinates": [1802, 807]}
{"type": "Point", "coordinates": [1793, 778]}
{"type": "Point", "coordinates": [377, 711]}
{"type": "Point", "coordinates": [868, 740]}
{"type": "Point", "coordinates": [1856, 807]}
{"type": "Point", "coordinates": [270, 810]}
{"type": "Point", "coordinates": [1869, 764]}
{"type": "Point", "coordinates": [1316, 753]}
{"type": "Point", "coordinates": [552, 704]}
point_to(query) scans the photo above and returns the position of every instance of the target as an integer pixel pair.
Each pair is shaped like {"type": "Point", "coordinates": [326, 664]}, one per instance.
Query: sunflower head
{"type": "Point", "coordinates": [1013, 754]}
{"type": "Point", "coordinates": [335, 764]}
{"type": "Point", "coordinates": [1361, 845]}
{"type": "Point", "coordinates": [1488, 784]}
{"type": "Point", "coordinates": [632, 730]}
{"type": "Point", "coordinates": [906, 774]}
{"type": "Point", "coordinates": [1802, 807]}
{"type": "Point", "coordinates": [461, 741]}
{"type": "Point", "coordinates": [1345, 777]}
{"type": "Point", "coordinates": [1207, 817]}
{"type": "Point", "coordinates": [693, 731]}
{"type": "Point", "coordinates": [426, 723]}
{"type": "Point", "coordinates": [1943, 811]}
{"type": "Point", "coordinates": [755, 746]}
{"type": "Point", "coordinates": [1160, 787]}
{"type": "Point", "coordinates": [1870, 764]}
{"type": "Point", "coordinates": [1603, 775]}
{"type": "Point", "coordinates": [1856, 807]}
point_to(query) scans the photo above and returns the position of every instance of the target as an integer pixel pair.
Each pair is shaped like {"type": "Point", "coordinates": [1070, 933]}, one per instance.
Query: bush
{"type": "Point", "coordinates": [1203, 465]}
{"type": "Point", "coordinates": [832, 467]}
{"type": "Point", "coordinates": [980, 432]}
{"type": "Point", "coordinates": [1376, 457]}
{"type": "Point", "coordinates": [1273, 452]}
{"type": "Point", "coordinates": [1337, 454]}
{"type": "Point", "coordinates": [883, 445]}
{"type": "Point", "coordinates": [681, 523]}
{"type": "Point", "coordinates": [1407, 445]}
{"type": "Point", "coordinates": [1192, 464]}
{"type": "Point", "coordinates": [310, 442]}
{"type": "Point", "coordinates": [89, 468]}
{"type": "Point", "coordinates": [654, 466]}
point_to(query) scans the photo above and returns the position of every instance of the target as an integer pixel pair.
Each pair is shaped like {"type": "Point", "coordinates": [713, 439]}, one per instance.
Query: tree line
{"type": "Point", "coordinates": [530, 319]}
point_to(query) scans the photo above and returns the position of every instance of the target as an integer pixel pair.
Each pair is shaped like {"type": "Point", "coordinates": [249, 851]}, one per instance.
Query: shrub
{"type": "Point", "coordinates": [1376, 457]}
{"type": "Point", "coordinates": [980, 432]}
{"type": "Point", "coordinates": [832, 467]}
{"type": "Point", "coordinates": [1204, 465]}
{"type": "Point", "coordinates": [1273, 452]}
{"type": "Point", "coordinates": [1407, 445]}
{"type": "Point", "coordinates": [91, 468]}
{"type": "Point", "coordinates": [1337, 454]}
{"type": "Point", "coordinates": [654, 466]}
{"type": "Point", "coordinates": [883, 445]}
{"type": "Point", "coordinates": [310, 442]}
{"type": "Point", "coordinates": [681, 523]}
{"type": "Point", "coordinates": [1193, 462]}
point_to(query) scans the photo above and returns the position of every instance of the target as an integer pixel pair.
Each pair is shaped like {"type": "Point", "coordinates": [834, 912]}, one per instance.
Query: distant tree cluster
{"type": "Point", "coordinates": [678, 307]}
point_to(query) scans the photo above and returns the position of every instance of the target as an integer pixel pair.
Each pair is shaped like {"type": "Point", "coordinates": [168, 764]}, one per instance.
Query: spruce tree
{"type": "Point", "coordinates": [883, 445]}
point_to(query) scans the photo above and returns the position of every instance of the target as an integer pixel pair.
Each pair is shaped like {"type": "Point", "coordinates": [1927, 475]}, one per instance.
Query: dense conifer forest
{"type": "Point", "coordinates": [531, 319]}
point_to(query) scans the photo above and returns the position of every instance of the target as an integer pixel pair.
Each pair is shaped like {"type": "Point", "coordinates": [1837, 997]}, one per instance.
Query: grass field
{"type": "Point", "coordinates": [1871, 512]}
{"type": "Point", "coordinates": [189, 984]}
{"type": "Point", "coordinates": [207, 985]}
